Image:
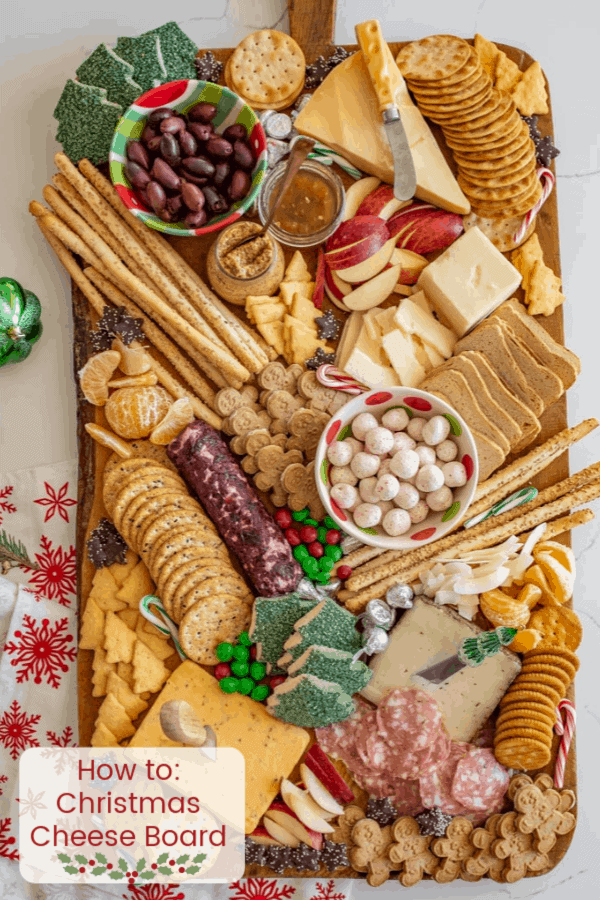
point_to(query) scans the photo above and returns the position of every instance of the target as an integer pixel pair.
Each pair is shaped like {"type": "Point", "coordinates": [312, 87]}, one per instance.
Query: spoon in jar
{"type": "Point", "coordinates": [300, 150]}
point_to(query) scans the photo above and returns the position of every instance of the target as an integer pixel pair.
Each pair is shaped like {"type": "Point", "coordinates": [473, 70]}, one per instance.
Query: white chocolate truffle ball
{"type": "Point", "coordinates": [342, 475]}
{"type": "Point", "coordinates": [403, 441]}
{"type": "Point", "coordinates": [366, 490]}
{"type": "Point", "coordinates": [340, 453]}
{"type": "Point", "coordinates": [447, 450]}
{"type": "Point", "coordinates": [436, 430]}
{"type": "Point", "coordinates": [396, 419]}
{"type": "Point", "coordinates": [426, 454]}
{"type": "Point", "coordinates": [440, 499]}
{"type": "Point", "coordinates": [387, 487]}
{"type": "Point", "coordinates": [363, 423]}
{"type": "Point", "coordinates": [379, 441]}
{"type": "Point", "coordinates": [345, 495]}
{"type": "Point", "coordinates": [455, 474]}
{"type": "Point", "coordinates": [415, 427]}
{"type": "Point", "coordinates": [365, 464]}
{"type": "Point", "coordinates": [367, 515]}
{"type": "Point", "coordinates": [407, 497]}
{"type": "Point", "coordinates": [419, 512]}
{"type": "Point", "coordinates": [405, 464]}
{"type": "Point", "coordinates": [429, 478]}
{"type": "Point", "coordinates": [396, 522]}
{"type": "Point", "coordinates": [384, 468]}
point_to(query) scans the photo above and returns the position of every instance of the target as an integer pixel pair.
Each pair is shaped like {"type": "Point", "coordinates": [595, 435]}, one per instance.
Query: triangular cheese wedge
{"type": "Point", "coordinates": [344, 115]}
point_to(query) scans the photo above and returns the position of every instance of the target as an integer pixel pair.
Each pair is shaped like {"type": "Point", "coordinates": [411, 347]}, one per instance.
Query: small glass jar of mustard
{"type": "Point", "coordinates": [255, 269]}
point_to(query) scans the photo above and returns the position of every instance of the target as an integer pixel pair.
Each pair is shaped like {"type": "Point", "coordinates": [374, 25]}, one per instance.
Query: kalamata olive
{"type": "Point", "coordinates": [157, 198]}
{"type": "Point", "coordinates": [219, 147]}
{"type": "Point", "coordinates": [243, 155]}
{"type": "Point", "coordinates": [172, 125]}
{"type": "Point", "coordinates": [192, 196]}
{"type": "Point", "coordinates": [174, 205]}
{"type": "Point", "coordinates": [200, 130]}
{"type": "Point", "coordinates": [137, 153]}
{"type": "Point", "coordinates": [169, 149]}
{"type": "Point", "coordinates": [196, 219]}
{"type": "Point", "coordinates": [200, 180]}
{"type": "Point", "coordinates": [148, 133]}
{"type": "Point", "coordinates": [136, 174]}
{"type": "Point", "coordinates": [157, 115]}
{"type": "Point", "coordinates": [235, 133]}
{"type": "Point", "coordinates": [215, 202]}
{"type": "Point", "coordinates": [240, 184]}
{"type": "Point", "coordinates": [162, 171]}
{"type": "Point", "coordinates": [166, 215]}
{"type": "Point", "coordinates": [222, 171]}
{"type": "Point", "coordinates": [154, 143]}
{"type": "Point", "coordinates": [202, 112]}
{"type": "Point", "coordinates": [199, 165]}
{"type": "Point", "coordinates": [188, 143]}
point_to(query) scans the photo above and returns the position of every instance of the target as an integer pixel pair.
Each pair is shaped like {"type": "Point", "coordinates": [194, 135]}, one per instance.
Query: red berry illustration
{"type": "Point", "coordinates": [181, 869]}
{"type": "Point", "coordinates": [171, 862]}
{"type": "Point", "coordinates": [134, 874]}
{"type": "Point", "coordinates": [92, 862]}
{"type": "Point", "coordinates": [154, 866]}
{"type": "Point", "coordinates": [109, 865]}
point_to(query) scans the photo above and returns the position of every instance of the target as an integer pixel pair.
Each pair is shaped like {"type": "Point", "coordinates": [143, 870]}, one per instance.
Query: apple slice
{"type": "Point", "coordinates": [319, 290]}
{"type": "Point", "coordinates": [375, 291]}
{"type": "Point", "coordinates": [381, 202]}
{"type": "Point", "coordinates": [355, 240]}
{"type": "Point", "coordinates": [425, 228]}
{"type": "Point", "coordinates": [319, 792]}
{"type": "Point", "coordinates": [411, 264]}
{"type": "Point", "coordinates": [280, 833]}
{"type": "Point", "coordinates": [261, 836]}
{"type": "Point", "coordinates": [356, 193]}
{"type": "Point", "coordinates": [305, 807]}
{"type": "Point", "coordinates": [370, 267]}
{"type": "Point", "coordinates": [336, 289]}
{"type": "Point", "coordinates": [284, 816]}
{"type": "Point", "coordinates": [320, 765]}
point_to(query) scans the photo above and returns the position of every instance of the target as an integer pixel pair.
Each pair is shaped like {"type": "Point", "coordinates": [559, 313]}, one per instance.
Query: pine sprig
{"type": "Point", "coordinates": [13, 553]}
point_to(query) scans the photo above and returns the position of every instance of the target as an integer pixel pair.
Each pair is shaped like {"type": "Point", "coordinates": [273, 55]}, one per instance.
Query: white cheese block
{"type": "Point", "coordinates": [435, 359]}
{"type": "Point", "coordinates": [400, 353]}
{"type": "Point", "coordinates": [350, 333]}
{"type": "Point", "coordinates": [426, 635]}
{"type": "Point", "coordinates": [468, 281]}
{"type": "Point", "coordinates": [413, 319]}
{"type": "Point", "coordinates": [366, 370]}
{"type": "Point", "coordinates": [371, 324]}
{"type": "Point", "coordinates": [344, 114]}
{"type": "Point", "coordinates": [385, 319]}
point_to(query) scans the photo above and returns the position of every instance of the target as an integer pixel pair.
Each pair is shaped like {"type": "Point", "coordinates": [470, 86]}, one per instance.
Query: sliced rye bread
{"type": "Point", "coordinates": [455, 386]}
{"type": "Point", "coordinates": [488, 338]}
{"type": "Point", "coordinates": [546, 383]}
{"type": "Point", "coordinates": [495, 412]}
{"type": "Point", "coordinates": [527, 421]}
{"type": "Point", "coordinates": [489, 454]}
{"type": "Point", "coordinates": [546, 350]}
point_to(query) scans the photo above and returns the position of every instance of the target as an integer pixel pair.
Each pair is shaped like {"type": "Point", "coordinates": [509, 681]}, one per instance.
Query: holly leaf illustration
{"type": "Point", "coordinates": [164, 870]}
{"type": "Point", "coordinates": [199, 858]}
{"type": "Point", "coordinates": [72, 870]}
{"type": "Point", "coordinates": [122, 865]}
{"type": "Point", "coordinates": [141, 864]}
{"type": "Point", "coordinates": [99, 870]}
{"type": "Point", "coordinates": [191, 870]}
{"type": "Point", "coordinates": [116, 875]}
{"type": "Point", "coordinates": [101, 858]}
{"type": "Point", "coordinates": [64, 858]}
{"type": "Point", "coordinates": [149, 874]}
{"type": "Point", "coordinates": [82, 860]}
{"type": "Point", "coordinates": [182, 859]}
{"type": "Point", "coordinates": [162, 858]}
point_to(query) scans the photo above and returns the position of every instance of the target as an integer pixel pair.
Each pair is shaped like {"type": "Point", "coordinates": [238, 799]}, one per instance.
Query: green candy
{"type": "Point", "coordinates": [241, 652]}
{"type": "Point", "coordinates": [229, 685]}
{"type": "Point", "coordinates": [244, 638]}
{"type": "Point", "coordinates": [20, 325]}
{"type": "Point", "coordinates": [239, 668]}
{"type": "Point", "coordinates": [301, 514]}
{"type": "Point", "coordinates": [312, 522]}
{"type": "Point", "coordinates": [300, 553]}
{"type": "Point", "coordinates": [331, 524]}
{"type": "Point", "coordinates": [322, 534]}
{"type": "Point", "coordinates": [322, 577]}
{"type": "Point", "coordinates": [332, 551]}
{"type": "Point", "coordinates": [310, 567]}
{"type": "Point", "coordinates": [326, 564]}
{"type": "Point", "coordinates": [258, 670]}
{"type": "Point", "coordinates": [260, 692]}
{"type": "Point", "coordinates": [246, 686]}
{"type": "Point", "coordinates": [224, 651]}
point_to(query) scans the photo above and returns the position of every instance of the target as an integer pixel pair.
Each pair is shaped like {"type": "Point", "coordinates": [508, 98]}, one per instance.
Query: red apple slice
{"type": "Point", "coordinates": [319, 281]}
{"type": "Point", "coordinates": [320, 765]}
{"type": "Point", "coordinates": [261, 836]}
{"type": "Point", "coordinates": [319, 792]}
{"type": "Point", "coordinates": [280, 833]}
{"type": "Point", "coordinates": [425, 228]}
{"type": "Point", "coordinates": [369, 267]}
{"type": "Point", "coordinates": [375, 291]}
{"type": "Point", "coordinates": [381, 202]}
{"type": "Point", "coordinates": [355, 240]}
{"type": "Point", "coordinates": [284, 816]}
{"type": "Point", "coordinates": [356, 193]}
{"type": "Point", "coordinates": [411, 265]}
{"type": "Point", "coordinates": [305, 807]}
{"type": "Point", "coordinates": [336, 289]}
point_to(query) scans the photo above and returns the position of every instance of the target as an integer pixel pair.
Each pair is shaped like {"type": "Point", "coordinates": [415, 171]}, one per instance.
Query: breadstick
{"type": "Point", "coordinates": [523, 469]}
{"type": "Point", "coordinates": [565, 523]}
{"type": "Point", "coordinates": [359, 556]}
{"type": "Point", "coordinates": [201, 411]}
{"type": "Point", "coordinates": [401, 571]}
{"type": "Point", "coordinates": [67, 237]}
{"type": "Point", "coordinates": [66, 258]}
{"type": "Point", "coordinates": [234, 333]}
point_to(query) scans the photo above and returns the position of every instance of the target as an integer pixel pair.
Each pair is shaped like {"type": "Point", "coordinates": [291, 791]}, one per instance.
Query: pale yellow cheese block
{"type": "Point", "coordinates": [344, 115]}
{"type": "Point", "coordinates": [271, 748]}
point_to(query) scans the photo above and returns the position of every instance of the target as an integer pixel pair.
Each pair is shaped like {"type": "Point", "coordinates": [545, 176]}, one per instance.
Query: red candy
{"type": "Point", "coordinates": [222, 670]}
{"type": "Point", "coordinates": [276, 680]}
{"type": "Point", "coordinates": [315, 549]}
{"type": "Point", "coordinates": [283, 517]}
{"type": "Point", "coordinates": [253, 651]}
{"type": "Point", "coordinates": [308, 533]}
{"type": "Point", "coordinates": [333, 536]}
{"type": "Point", "coordinates": [293, 537]}
{"type": "Point", "coordinates": [344, 572]}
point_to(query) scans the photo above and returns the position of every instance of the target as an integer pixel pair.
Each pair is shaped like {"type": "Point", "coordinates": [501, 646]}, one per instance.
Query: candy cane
{"type": "Point", "coordinates": [566, 729]}
{"type": "Point", "coordinates": [163, 621]}
{"type": "Point", "coordinates": [331, 377]}
{"type": "Point", "coordinates": [548, 180]}
{"type": "Point", "coordinates": [517, 499]}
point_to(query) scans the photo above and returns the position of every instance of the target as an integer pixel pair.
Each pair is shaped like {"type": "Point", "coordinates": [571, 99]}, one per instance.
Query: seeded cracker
{"type": "Point", "coordinates": [104, 69]}
{"type": "Point", "coordinates": [86, 122]}
{"type": "Point", "coordinates": [145, 56]}
{"type": "Point", "coordinates": [177, 50]}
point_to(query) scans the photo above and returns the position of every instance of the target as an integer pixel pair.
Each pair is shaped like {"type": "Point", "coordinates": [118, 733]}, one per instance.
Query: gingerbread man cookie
{"type": "Point", "coordinates": [540, 814]}
{"type": "Point", "coordinates": [272, 461]}
{"type": "Point", "coordinates": [411, 851]}
{"type": "Point", "coordinates": [484, 861]}
{"type": "Point", "coordinates": [342, 833]}
{"type": "Point", "coordinates": [298, 482]}
{"type": "Point", "coordinates": [227, 400]}
{"type": "Point", "coordinates": [453, 850]}
{"type": "Point", "coordinates": [275, 377]}
{"type": "Point", "coordinates": [370, 851]}
{"type": "Point", "coordinates": [305, 428]}
{"type": "Point", "coordinates": [518, 848]}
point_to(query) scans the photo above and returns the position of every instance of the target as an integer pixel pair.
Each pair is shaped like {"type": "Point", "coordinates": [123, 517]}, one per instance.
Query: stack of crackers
{"type": "Point", "coordinates": [267, 70]}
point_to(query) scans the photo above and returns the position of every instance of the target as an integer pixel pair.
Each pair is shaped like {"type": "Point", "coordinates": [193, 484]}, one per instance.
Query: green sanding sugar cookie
{"type": "Point", "coordinates": [103, 68]}
{"type": "Point", "coordinates": [273, 620]}
{"type": "Point", "coordinates": [328, 624]}
{"type": "Point", "coordinates": [332, 665]}
{"type": "Point", "coordinates": [310, 702]}
{"type": "Point", "coordinates": [143, 53]}
{"type": "Point", "coordinates": [87, 121]}
{"type": "Point", "coordinates": [177, 49]}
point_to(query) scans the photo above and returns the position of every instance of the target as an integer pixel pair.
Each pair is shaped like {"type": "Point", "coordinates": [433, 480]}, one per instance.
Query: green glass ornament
{"type": "Point", "coordinates": [20, 325]}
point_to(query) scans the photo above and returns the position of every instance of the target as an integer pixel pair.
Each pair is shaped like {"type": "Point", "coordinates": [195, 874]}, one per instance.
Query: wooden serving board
{"type": "Point", "coordinates": [312, 25]}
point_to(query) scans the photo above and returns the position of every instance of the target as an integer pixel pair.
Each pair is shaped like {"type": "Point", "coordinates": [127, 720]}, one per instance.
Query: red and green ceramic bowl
{"type": "Point", "coordinates": [415, 403]}
{"type": "Point", "coordinates": [181, 96]}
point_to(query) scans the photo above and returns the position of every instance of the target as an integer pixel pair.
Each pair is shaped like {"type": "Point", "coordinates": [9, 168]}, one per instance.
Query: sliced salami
{"type": "Point", "coordinates": [436, 784]}
{"type": "Point", "coordinates": [480, 782]}
{"type": "Point", "coordinates": [439, 752]}
{"type": "Point", "coordinates": [406, 797]}
{"type": "Point", "coordinates": [366, 729]}
{"type": "Point", "coordinates": [339, 737]}
{"type": "Point", "coordinates": [408, 719]}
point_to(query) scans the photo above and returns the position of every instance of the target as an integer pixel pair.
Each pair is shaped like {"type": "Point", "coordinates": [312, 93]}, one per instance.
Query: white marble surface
{"type": "Point", "coordinates": [42, 44]}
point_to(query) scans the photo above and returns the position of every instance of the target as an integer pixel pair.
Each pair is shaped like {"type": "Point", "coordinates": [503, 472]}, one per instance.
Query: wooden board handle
{"type": "Point", "coordinates": [312, 24]}
{"type": "Point", "coordinates": [373, 46]}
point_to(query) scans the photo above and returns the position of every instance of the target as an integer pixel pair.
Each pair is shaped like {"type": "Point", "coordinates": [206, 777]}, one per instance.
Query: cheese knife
{"type": "Point", "coordinates": [373, 46]}
{"type": "Point", "coordinates": [472, 652]}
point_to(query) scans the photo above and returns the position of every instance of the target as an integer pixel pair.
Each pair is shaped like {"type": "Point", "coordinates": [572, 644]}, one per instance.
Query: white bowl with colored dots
{"type": "Point", "coordinates": [436, 461]}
